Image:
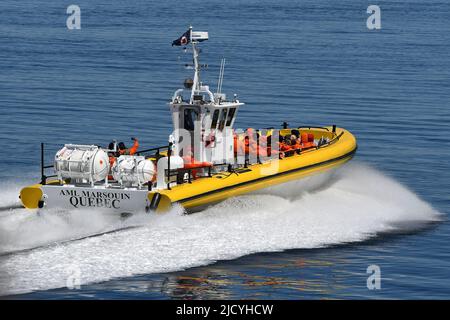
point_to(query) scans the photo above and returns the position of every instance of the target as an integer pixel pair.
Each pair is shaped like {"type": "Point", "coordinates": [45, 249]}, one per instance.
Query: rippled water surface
{"type": "Point", "coordinates": [304, 62]}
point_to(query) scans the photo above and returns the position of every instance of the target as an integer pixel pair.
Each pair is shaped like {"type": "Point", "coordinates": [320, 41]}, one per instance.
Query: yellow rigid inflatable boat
{"type": "Point", "coordinates": [226, 184]}
{"type": "Point", "coordinates": [204, 162]}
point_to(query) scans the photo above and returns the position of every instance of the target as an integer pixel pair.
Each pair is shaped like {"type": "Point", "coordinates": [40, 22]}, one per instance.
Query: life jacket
{"type": "Point", "coordinates": [285, 147]}
{"type": "Point", "coordinates": [264, 148]}
{"type": "Point", "coordinates": [265, 145]}
{"type": "Point", "coordinates": [251, 146]}
{"type": "Point", "coordinates": [193, 165]}
{"type": "Point", "coordinates": [239, 144]}
{"type": "Point", "coordinates": [247, 144]}
{"type": "Point", "coordinates": [112, 160]}
{"type": "Point", "coordinates": [297, 145]}
{"type": "Point", "coordinates": [307, 140]}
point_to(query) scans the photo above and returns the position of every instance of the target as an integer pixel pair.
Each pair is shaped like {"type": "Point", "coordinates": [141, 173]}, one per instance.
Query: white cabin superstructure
{"type": "Point", "coordinates": [203, 120]}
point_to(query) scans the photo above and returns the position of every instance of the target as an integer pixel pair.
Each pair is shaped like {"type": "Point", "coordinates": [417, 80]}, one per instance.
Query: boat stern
{"type": "Point", "coordinates": [128, 200]}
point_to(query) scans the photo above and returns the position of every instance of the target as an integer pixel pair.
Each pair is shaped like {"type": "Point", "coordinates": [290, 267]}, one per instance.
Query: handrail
{"type": "Point", "coordinates": [336, 138]}
{"type": "Point", "coordinates": [43, 167]}
{"type": "Point", "coordinates": [151, 149]}
{"type": "Point", "coordinates": [174, 172]}
{"type": "Point", "coordinates": [169, 154]}
{"type": "Point", "coordinates": [324, 128]}
{"type": "Point", "coordinates": [332, 140]}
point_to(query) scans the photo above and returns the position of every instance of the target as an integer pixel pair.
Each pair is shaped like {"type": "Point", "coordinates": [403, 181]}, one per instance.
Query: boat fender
{"type": "Point", "coordinates": [194, 164]}
{"type": "Point", "coordinates": [31, 196]}
{"type": "Point", "coordinates": [155, 201]}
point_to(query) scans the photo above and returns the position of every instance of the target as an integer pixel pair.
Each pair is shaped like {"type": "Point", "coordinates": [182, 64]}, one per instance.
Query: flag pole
{"type": "Point", "coordinates": [195, 86]}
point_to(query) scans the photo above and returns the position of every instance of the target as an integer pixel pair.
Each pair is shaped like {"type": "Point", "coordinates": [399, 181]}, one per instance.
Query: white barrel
{"type": "Point", "coordinates": [133, 170]}
{"type": "Point", "coordinates": [82, 162]}
{"type": "Point", "coordinates": [176, 162]}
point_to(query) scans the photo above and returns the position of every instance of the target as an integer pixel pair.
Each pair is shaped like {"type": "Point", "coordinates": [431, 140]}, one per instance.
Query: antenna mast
{"type": "Point", "coordinates": [222, 69]}
{"type": "Point", "coordinates": [196, 83]}
{"type": "Point", "coordinates": [194, 38]}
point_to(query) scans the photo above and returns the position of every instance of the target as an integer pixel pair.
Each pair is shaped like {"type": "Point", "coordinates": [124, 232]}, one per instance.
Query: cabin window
{"type": "Point", "coordinates": [223, 118]}
{"type": "Point", "coordinates": [190, 116]}
{"type": "Point", "coordinates": [230, 116]}
{"type": "Point", "coordinates": [215, 119]}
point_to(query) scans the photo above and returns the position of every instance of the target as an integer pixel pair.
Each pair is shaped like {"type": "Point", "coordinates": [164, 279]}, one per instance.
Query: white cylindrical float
{"type": "Point", "coordinates": [176, 162]}
{"type": "Point", "coordinates": [133, 170]}
{"type": "Point", "coordinates": [81, 162]}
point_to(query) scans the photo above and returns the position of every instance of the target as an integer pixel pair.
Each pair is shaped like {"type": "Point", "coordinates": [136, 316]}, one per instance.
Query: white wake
{"type": "Point", "coordinates": [348, 205]}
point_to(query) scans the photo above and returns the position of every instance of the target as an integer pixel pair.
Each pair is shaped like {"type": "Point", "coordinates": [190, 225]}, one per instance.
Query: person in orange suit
{"type": "Point", "coordinates": [239, 144]}
{"type": "Point", "coordinates": [251, 146]}
{"type": "Point", "coordinates": [130, 151]}
{"type": "Point", "coordinates": [307, 140]}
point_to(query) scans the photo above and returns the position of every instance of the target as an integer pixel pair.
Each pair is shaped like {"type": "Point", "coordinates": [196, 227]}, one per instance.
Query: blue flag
{"type": "Point", "coordinates": [183, 40]}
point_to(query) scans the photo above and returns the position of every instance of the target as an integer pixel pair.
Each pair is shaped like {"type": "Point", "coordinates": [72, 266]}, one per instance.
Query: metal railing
{"type": "Point", "coordinates": [157, 149]}
{"type": "Point", "coordinates": [323, 128]}
{"type": "Point", "coordinates": [43, 167]}
{"type": "Point", "coordinates": [182, 171]}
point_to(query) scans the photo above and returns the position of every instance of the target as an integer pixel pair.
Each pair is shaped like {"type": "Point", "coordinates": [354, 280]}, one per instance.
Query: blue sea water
{"type": "Point", "coordinates": [305, 62]}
